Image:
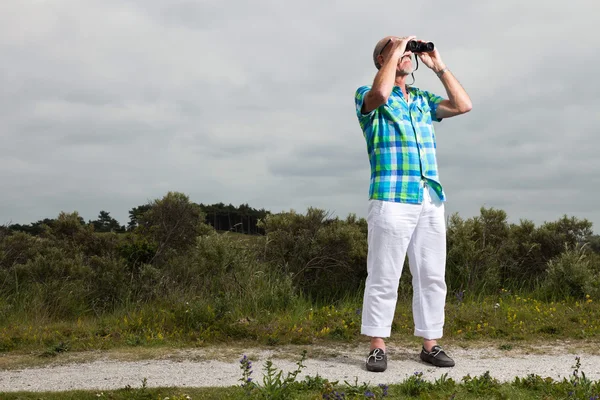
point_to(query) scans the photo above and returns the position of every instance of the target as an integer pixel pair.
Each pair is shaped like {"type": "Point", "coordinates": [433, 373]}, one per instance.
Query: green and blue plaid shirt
{"type": "Point", "coordinates": [401, 145]}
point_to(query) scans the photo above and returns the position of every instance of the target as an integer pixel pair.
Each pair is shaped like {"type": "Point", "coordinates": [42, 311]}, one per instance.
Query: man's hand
{"type": "Point", "coordinates": [398, 48]}
{"type": "Point", "coordinates": [432, 59]}
{"type": "Point", "coordinates": [458, 101]}
{"type": "Point", "coordinates": [385, 79]}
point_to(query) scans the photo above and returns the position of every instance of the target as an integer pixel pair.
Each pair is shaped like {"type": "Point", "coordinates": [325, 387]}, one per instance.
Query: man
{"type": "Point", "coordinates": [406, 199]}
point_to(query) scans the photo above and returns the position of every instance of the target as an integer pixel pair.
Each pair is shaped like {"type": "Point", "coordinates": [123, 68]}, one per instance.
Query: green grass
{"type": "Point", "coordinates": [505, 391]}
{"type": "Point", "coordinates": [506, 318]}
{"type": "Point", "coordinates": [460, 391]}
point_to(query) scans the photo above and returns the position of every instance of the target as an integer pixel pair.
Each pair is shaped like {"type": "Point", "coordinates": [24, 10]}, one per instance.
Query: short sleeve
{"type": "Point", "coordinates": [433, 100]}
{"type": "Point", "coordinates": [359, 98]}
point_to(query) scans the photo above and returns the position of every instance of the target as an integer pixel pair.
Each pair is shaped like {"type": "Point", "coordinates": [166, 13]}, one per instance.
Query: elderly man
{"type": "Point", "coordinates": [406, 198]}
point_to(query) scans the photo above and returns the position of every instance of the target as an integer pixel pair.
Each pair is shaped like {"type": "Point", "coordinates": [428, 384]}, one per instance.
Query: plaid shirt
{"type": "Point", "coordinates": [401, 145]}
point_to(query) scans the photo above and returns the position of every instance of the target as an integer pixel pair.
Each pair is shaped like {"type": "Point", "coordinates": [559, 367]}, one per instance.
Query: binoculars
{"type": "Point", "coordinates": [418, 47]}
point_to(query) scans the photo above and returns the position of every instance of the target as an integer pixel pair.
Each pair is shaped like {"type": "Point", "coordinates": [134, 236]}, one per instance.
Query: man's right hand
{"type": "Point", "coordinates": [386, 76]}
{"type": "Point", "coordinates": [398, 48]}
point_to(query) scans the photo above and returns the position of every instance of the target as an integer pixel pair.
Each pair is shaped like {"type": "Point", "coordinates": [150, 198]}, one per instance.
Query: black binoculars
{"type": "Point", "coordinates": [419, 47]}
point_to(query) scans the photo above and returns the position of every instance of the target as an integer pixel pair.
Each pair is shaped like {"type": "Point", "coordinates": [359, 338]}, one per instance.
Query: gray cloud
{"type": "Point", "coordinates": [106, 105]}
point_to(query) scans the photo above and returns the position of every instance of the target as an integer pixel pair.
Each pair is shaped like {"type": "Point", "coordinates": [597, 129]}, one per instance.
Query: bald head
{"type": "Point", "coordinates": [378, 47]}
{"type": "Point", "coordinates": [404, 66]}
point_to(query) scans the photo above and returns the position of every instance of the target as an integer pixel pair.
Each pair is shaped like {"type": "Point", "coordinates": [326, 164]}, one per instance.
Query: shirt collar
{"type": "Point", "coordinates": [398, 90]}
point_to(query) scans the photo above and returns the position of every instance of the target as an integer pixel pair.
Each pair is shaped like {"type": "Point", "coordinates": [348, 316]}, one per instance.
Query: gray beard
{"type": "Point", "coordinates": [405, 71]}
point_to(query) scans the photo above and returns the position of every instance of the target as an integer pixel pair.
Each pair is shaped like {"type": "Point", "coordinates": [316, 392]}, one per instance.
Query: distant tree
{"type": "Point", "coordinates": [135, 214]}
{"type": "Point", "coordinates": [242, 219]}
{"type": "Point", "coordinates": [106, 223]}
{"type": "Point", "coordinates": [35, 228]}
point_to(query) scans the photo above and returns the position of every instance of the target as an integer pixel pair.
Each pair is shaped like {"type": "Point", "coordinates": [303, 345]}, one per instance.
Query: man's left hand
{"type": "Point", "coordinates": [458, 101]}
{"type": "Point", "coordinates": [432, 59]}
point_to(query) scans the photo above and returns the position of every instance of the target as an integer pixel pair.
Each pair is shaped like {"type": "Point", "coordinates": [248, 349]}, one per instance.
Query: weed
{"type": "Point", "coordinates": [480, 385]}
{"type": "Point", "coordinates": [415, 384]}
{"type": "Point", "coordinates": [274, 386]}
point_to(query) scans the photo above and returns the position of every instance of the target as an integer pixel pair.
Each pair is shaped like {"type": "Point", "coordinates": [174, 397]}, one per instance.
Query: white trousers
{"type": "Point", "coordinates": [396, 229]}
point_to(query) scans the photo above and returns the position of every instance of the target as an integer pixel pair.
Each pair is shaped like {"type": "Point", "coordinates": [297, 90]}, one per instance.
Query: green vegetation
{"type": "Point", "coordinates": [171, 279]}
{"type": "Point", "coordinates": [505, 317]}
{"type": "Point", "coordinates": [174, 280]}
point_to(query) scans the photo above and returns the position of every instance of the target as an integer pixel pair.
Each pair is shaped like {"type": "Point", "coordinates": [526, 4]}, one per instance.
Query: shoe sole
{"type": "Point", "coordinates": [441, 365]}
{"type": "Point", "coordinates": [376, 369]}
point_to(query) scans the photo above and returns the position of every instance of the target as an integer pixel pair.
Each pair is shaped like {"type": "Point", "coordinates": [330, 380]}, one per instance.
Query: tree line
{"type": "Point", "coordinates": [242, 219]}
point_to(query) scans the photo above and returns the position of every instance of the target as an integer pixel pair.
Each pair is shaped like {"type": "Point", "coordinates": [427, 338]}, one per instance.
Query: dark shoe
{"type": "Point", "coordinates": [437, 357]}
{"type": "Point", "coordinates": [377, 361]}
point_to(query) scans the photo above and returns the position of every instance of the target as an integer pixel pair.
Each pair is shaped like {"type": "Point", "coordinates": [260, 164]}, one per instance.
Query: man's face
{"type": "Point", "coordinates": [405, 66]}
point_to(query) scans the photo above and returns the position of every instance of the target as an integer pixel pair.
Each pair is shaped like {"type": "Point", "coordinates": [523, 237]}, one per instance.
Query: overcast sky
{"type": "Point", "coordinates": [108, 104]}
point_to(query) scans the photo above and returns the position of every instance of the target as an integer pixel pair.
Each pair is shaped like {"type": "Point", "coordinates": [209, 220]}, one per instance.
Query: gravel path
{"type": "Point", "coordinates": [186, 370]}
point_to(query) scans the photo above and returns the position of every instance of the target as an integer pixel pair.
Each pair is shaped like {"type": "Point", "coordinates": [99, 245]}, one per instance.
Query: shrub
{"type": "Point", "coordinates": [572, 274]}
{"type": "Point", "coordinates": [316, 251]}
{"type": "Point", "coordinates": [485, 253]}
{"type": "Point", "coordinates": [66, 226]}
{"type": "Point", "coordinates": [229, 273]}
{"type": "Point", "coordinates": [109, 284]}
{"type": "Point", "coordinates": [53, 284]}
{"type": "Point", "coordinates": [473, 262]}
{"type": "Point", "coordinates": [173, 223]}
{"type": "Point", "coordinates": [18, 248]}
{"type": "Point", "coordinates": [136, 250]}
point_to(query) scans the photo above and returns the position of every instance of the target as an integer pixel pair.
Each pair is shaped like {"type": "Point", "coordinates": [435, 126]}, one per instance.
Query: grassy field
{"type": "Point", "coordinates": [508, 319]}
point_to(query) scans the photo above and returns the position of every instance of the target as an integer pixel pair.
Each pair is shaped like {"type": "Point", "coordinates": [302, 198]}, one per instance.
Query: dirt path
{"type": "Point", "coordinates": [217, 367]}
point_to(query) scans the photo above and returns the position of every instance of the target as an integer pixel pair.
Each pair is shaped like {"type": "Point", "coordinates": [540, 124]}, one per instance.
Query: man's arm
{"type": "Point", "coordinates": [458, 101]}
{"type": "Point", "coordinates": [386, 76]}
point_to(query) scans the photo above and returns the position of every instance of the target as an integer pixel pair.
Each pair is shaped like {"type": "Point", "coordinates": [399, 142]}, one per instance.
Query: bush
{"type": "Point", "coordinates": [66, 227]}
{"type": "Point", "coordinates": [486, 253]}
{"type": "Point", "coordinates": [19, 248]}
{"type": "Point", "coordinates": [229, 273]}
{"type": "Point", "coordinates": [53, 284]}
{"type": "Point", "coordinates": [317, 252]}
{"type": "Point", "coordinates": [173, 223]}
{"type": "Point", "coordinates": [574, 273]}
{"type": "Point", "coordinates": [136, 250]}
{"type": "Point", "coordinates": [473, 261]}
{"type": "Point", "coordinates": [109, 284]}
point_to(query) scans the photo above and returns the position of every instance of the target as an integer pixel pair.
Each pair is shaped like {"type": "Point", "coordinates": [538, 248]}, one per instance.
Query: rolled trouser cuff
{"type": "Point", "coordinates": [429, 334]}
{"type": "Point", "coordinates": [374, 331]}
